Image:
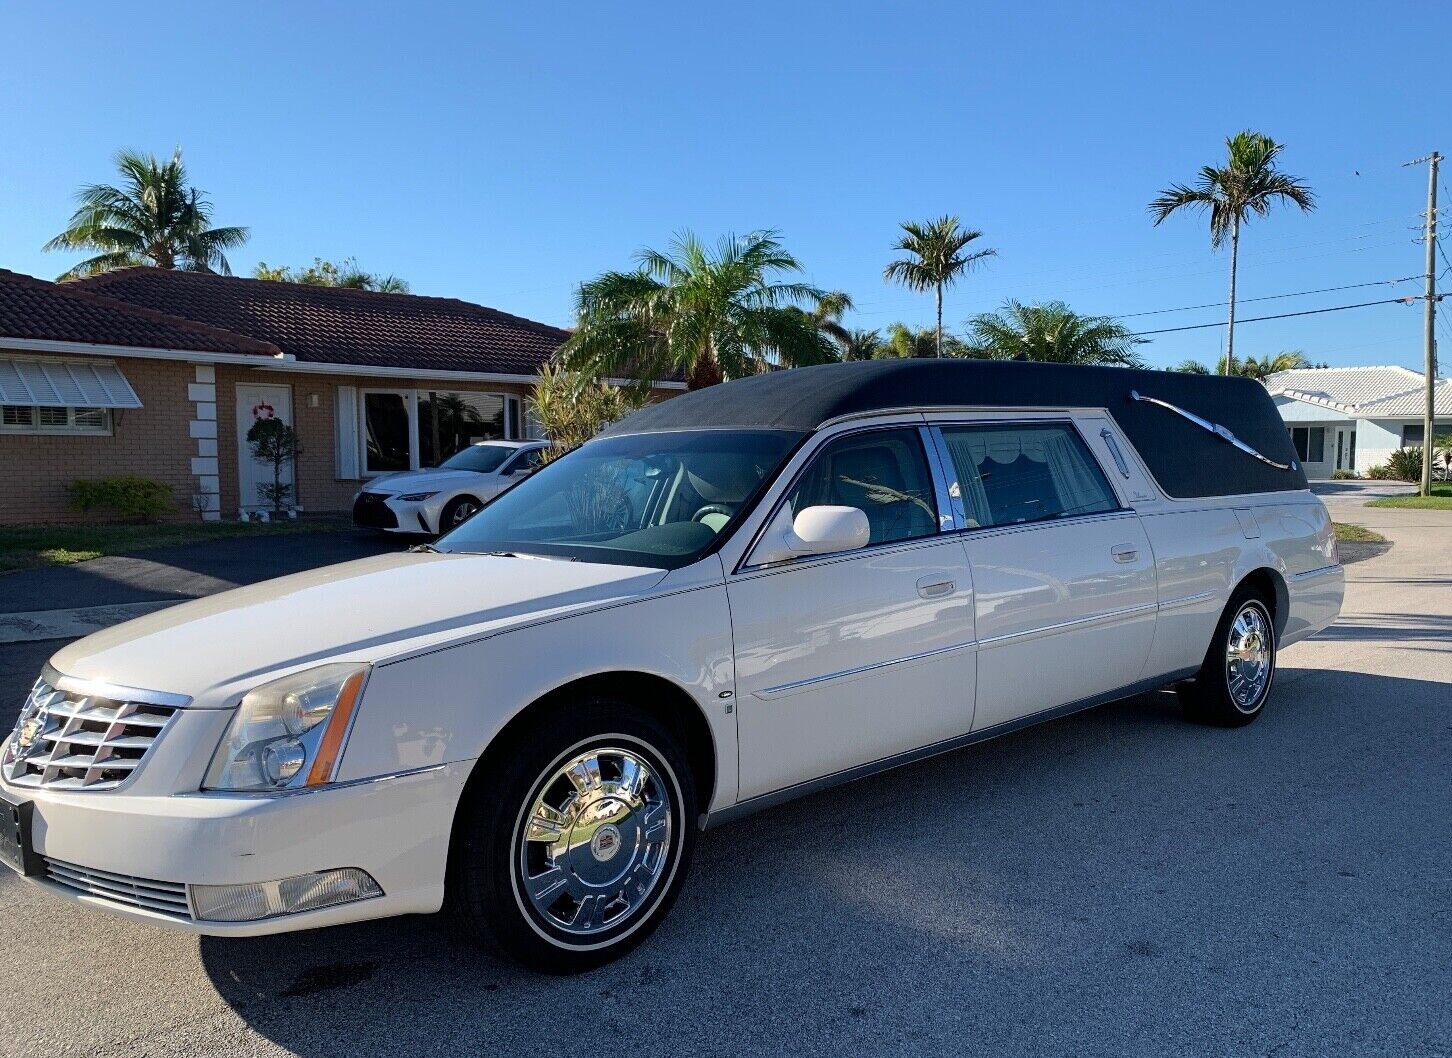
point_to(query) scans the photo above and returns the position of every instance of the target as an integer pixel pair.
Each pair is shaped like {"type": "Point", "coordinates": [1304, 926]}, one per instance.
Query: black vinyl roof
{"type": "Point", "coordinates": [1185, 459]}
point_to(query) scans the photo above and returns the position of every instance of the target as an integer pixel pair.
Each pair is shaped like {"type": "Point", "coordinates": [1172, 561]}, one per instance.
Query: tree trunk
{"type": "Point", "coordinates": [1230, 327]}
{"type": "Point", "coordinates": [706, 372]}
{"type": "Point", "coordinates": [939, 345]}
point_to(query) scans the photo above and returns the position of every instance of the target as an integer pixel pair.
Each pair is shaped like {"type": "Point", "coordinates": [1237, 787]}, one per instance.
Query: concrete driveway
{"type": "Point", "coordinates": [1115, 883]}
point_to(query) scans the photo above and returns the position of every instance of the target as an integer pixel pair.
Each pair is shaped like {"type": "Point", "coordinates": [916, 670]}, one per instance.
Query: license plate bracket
{"type": "Point", "coordinates": [15, 848]}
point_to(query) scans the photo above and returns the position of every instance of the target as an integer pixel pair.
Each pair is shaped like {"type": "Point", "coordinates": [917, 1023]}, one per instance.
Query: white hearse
{"type": "Point", "coordinates": [727, 600]}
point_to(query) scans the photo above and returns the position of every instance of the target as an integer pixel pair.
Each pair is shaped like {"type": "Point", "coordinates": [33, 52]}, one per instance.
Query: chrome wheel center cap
{"type": "Point", "coordinates": [606, 843]}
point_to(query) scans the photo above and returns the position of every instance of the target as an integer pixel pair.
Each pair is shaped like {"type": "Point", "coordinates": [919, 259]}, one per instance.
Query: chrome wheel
{"type": "Point", "coordinates": [594, 843]}
{"type": "Point", "coordinates": [1248, 657]}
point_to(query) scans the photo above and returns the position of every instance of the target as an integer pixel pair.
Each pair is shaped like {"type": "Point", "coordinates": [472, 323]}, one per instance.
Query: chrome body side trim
{"type": "Point", "coordinates": [295, 791]}
{"type": "Point", "coordinates": [1219, 431]}
{"type": "Point", "coordinates": [802, 789]}
{"type": "Point", "coordinates": [785, 689]}
{"type": "Point", "coordinates": [1321, 571]}
{"type": "Point", "coordinates": [1186, 600]}
{"type": "Point", "coordinates": [1064, 626]}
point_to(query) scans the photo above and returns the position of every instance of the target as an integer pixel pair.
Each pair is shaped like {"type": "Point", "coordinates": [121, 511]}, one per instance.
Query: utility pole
{"type": "Point", "coordinates": [1429, 337]}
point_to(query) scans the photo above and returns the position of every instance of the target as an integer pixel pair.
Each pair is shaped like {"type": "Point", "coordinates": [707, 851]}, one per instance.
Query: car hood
{"type": "Point", "coordinates": [216, 648]}
{"type": "Point", "coordinates": [436, 480]}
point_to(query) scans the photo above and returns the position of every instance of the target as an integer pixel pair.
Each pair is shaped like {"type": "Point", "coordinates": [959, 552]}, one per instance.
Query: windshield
{"type": "Point", "coordinates": [655, 499]}
{"type": "Point", "coordinates": [482, 459]}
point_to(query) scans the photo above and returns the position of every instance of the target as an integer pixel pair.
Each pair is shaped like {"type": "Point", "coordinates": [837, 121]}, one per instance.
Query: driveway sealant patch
{"type": "Point", "coordinates": [37, 625]}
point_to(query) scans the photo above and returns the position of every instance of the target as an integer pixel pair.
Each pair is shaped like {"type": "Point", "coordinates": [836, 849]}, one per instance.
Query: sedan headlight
{"type": "Point", "coordinates": [415, 497]}
{"type": "Point", "coordinates": [290, 732]}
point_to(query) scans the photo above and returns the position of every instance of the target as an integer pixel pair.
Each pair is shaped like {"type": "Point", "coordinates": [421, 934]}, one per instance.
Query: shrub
{"type": "Point", "coordinates": [572, 407]}
{"type": "Point", "coordinates": [1381, 472]}
{"type": "Point", "coordinates": [1405, 464]}
{"type": "Point", "coordinates": [127, 497]}
{"type": "Point", "coordinates": [1343, 475]}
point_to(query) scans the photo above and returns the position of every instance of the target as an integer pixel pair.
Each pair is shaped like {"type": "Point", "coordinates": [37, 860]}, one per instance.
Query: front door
{"type": "Point", "coordinates": [258, 401]}
{"type": "Point", "coordinates": [843, 660]}
{"type": "Point", "coordinates": [1063, 578]}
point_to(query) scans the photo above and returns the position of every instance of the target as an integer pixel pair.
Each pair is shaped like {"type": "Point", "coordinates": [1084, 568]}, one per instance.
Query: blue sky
{"type": "Point", "coordinates": [503, 152]}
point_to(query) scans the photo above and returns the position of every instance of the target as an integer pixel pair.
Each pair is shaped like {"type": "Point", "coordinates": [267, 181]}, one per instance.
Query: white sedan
{"type": "Point", "coordinates": [436, 499]}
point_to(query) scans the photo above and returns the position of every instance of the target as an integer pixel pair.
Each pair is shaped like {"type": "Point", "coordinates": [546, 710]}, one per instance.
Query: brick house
{"type": "Point", "coordinates": [161, 373]}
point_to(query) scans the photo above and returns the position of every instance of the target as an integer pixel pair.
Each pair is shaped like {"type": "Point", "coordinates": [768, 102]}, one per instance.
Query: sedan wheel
{"type": "Point", "coordinates": [596, 840]}
{"type": "Point", "coordinates": [458, 512]}
{"type": "Point", "coordinates": [573, 839]}
{"type": "Point", "coordinates": [1234, 682]}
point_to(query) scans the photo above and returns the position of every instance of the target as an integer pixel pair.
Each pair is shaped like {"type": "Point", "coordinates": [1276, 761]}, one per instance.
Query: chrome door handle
{"type": "Point", "coordinates": [1124, 552]}
{"type": "Point", "coordinates": [929, 588]}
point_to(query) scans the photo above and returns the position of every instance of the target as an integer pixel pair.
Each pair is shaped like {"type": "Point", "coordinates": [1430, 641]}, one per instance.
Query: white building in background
{"type": "Point", "coordinates": [1353, 418]}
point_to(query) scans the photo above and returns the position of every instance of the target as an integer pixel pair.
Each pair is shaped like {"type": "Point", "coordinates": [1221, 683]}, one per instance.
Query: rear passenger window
{"type": "Point", "coordinates": [1013, 474]}
{"type": "Point", "coordinates": [882, 473]}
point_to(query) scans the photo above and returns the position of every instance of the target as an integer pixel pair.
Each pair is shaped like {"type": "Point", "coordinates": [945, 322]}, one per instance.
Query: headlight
{"type": "Point", "coordinates": [414, 497]}
{"type": "Point", "coordinates": [290, 732]}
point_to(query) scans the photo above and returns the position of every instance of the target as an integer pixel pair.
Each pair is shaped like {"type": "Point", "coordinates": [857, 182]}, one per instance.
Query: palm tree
{"type": "Point", "coordinates": [1291, 360]}
{"type": "Point", "coordinates": [938, 259]}
{"type": "Point", "coordinates": [861, 345]}
{"type": "Point", "coordinates": [714, 314]}
{"type": "Point", "coordinates": [153, 218]}
{"type": "Point", "coordinates": [1250, 367]}
{"type": "Point", "coordinates": [1051, 333]}
{"type": "Point", "coordinates": [917, 343]}
{"type": "Point", "coordinates": [1249, 183]}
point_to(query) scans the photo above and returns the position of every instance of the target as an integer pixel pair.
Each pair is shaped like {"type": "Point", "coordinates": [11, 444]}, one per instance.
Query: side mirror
{"type": "Point", "coordinates": [815, 531]}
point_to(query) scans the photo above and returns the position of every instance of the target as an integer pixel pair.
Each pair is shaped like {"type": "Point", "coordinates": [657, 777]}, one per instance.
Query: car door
{"type": "Point", "coordinates": [846, 659]}
{"type": "Point", "coordinates": [1063, 575]}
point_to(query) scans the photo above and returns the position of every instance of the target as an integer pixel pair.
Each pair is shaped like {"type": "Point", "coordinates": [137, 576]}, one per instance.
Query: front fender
{"type": "Point", "coordinates": [447, 705]}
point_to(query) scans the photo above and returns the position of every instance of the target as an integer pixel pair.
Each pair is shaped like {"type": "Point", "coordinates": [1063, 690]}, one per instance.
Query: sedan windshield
{"type": "Point", "coordinates": [657, 499]}
{"type": "Point", "coordinates": [482, 459]}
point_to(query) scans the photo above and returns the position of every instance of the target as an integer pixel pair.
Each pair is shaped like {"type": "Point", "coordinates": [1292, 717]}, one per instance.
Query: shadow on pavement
{"type": "Point", "coordinates": [186, 571]}
{"type": "Point", "coordinates": [1115, 882]}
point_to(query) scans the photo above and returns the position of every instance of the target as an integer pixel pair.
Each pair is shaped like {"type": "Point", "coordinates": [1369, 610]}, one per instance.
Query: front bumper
{"type": "Point", "coordinates": [375, 510]}
{"type": "Point", "coordinates": [394, 827]}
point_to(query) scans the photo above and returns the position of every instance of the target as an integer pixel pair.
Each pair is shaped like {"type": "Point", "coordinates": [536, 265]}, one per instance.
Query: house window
{"type": "Point", "coordinates": [1310, 443]}
{"type": "Point", "coordinates": [23, 418]}
{"type": "Point", "coordinates": [1412, 435]}
{"type": "Point", "coordinates": [448, 422]}
{"type": "Point", "coordinates": [408, 429]}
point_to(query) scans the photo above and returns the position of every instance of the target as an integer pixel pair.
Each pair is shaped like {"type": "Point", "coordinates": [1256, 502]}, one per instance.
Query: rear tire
{"type": "Point", "coordinates": [1240, 667]}
{"type": "Point", "coordinates": [573, 844]}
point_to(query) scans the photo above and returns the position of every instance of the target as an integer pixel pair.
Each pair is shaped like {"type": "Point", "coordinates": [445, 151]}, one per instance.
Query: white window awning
{"type": "Point", "coordinates": [64, 384]}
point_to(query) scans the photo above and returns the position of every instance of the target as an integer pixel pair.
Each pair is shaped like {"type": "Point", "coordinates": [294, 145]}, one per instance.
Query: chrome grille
{"type": "Point", "coordinates": [67, 741]}
{"type": "Point", "coordinates": [168, 898]}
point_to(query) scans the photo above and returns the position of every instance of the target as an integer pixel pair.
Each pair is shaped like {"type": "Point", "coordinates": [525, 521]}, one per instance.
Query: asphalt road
{"type": "Point", "coordinates": [1120, 882]}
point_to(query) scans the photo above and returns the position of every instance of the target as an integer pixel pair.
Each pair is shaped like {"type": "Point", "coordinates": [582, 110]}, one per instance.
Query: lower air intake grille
{"type": "Point", "coordinates": [167, 898]}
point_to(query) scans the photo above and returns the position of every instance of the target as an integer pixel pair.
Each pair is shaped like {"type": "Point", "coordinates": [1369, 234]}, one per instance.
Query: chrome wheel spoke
{"type": "Point", "coordinates": [546, 824]}
{"type": "Point", "coordinates": [656, 823]}
{"type": "Point", "coordinates": [545, 889]}
{"type": "Point", "coordinates": [632, 777]}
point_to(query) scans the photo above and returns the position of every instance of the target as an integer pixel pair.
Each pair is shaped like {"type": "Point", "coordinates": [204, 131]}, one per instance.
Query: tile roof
{"type": "Point", "coordinates": [1346, 388]}
{"type": "Point", "coordinates": [336, 325]}
{"type": "Point", "coordinates": [1365, 392]}
{"type": "Point", "coordinates": [1412, 403]}
{"type": "Point", "coordinates": [37, 310]}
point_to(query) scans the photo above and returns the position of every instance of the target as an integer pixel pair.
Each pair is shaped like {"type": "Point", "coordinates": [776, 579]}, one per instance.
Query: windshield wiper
{"type": "Point", "coordinates": [419, 549]}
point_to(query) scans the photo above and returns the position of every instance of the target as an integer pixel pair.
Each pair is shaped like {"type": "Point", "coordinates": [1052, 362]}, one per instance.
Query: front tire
{"type": "Point", "coordinates": [1235, 680]}
{"type": "Point", "coordinates": [458, 511]}
{"type": "Point", "coordinates": [572, 846]}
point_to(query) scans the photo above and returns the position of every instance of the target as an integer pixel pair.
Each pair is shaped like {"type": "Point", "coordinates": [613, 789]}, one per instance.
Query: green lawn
{"type": "Point", "coordinates": [1440, 500]}
{"type": "Point", "coordinates": [24, 547]}
{"type": "Point", "coordinates": [1357, 533]}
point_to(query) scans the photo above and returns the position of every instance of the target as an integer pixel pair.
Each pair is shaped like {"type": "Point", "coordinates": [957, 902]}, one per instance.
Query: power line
{"type": "Point", "coordinates": [1287, 315]}
{"type": "Point", "coordinates": [1271, 297]}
